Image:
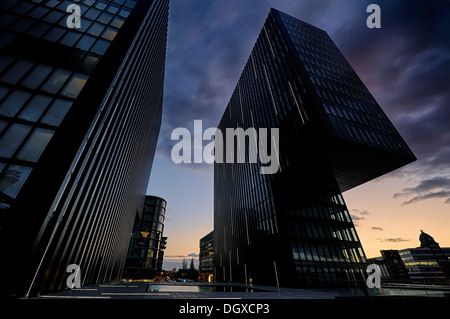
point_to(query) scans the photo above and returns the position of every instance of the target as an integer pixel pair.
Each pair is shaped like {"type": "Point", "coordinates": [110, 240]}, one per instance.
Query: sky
{"type": "Point", "coordinates": [405, 64]}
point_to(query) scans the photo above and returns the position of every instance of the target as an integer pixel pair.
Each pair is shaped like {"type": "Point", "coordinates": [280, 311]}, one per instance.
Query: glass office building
{"type": "Point", "coordinates": [80, 113]}
{"type": "Point", "coordinates": [147, 244]}
{"type": "Point", "coordinates": [206, 258]}
{"type": "Point", "coordinates": [293, 228]}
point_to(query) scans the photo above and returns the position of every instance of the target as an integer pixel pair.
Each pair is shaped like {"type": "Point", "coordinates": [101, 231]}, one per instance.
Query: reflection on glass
{"type": "Point", "coordinates": [35, 108]}
{"type": "Point", "coordinates": [75, 85]}
{"type": "Point", "coordinates": [96, 29]}
{"type": "Point", "coordinates": [118, 22]}
{"type": "Point", "coordinates": [11, 180]}
{"type": "Point", "coordinates": [57, 112]}
{"type": "Point", "coordinates": [54, 34]}
{"type": "Point", "coordinates": [109, 34]}
{"type": "Point", "coordinates": [5, 61]}
{"type": "Point", "coordinates": [70, 38]}
{"type": "Point", "coordinates": [85, 43]}
{"type": "Point", "coordinates": [37, 76]}
{"type": "Point", "coordinates": [35, 145]}
{"type": "Point", "coordinates": [56, 81]}
{"type": "Point", "coordinates": [89, 63]}
{"type": "Point", "coordinates": [12, 139]}
{"type": "Point", "coordinates": [2, 125]}
{"type": "Point", "coordinates": [13, 103]}
{"type": "Point", "coordinates": [100, 47]}
{"type": "Point", "coordinates": [105, 18]}
{"type": "Point", "coordinates": [16, 72]}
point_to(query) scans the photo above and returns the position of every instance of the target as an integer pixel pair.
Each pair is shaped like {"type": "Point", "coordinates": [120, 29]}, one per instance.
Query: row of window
{"type": "Point", "coordinates": [326, 253]}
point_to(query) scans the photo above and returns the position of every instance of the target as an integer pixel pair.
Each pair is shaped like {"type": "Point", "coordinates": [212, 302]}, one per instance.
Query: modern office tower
{"type": "Point", "coordinates": [80, 113]}
{"type": "Point", "coordinates": [293, 228]}
{"type": "Point", "coordinates": [147, 244]}
{"type": "Point", "coordinates": [206, 258]}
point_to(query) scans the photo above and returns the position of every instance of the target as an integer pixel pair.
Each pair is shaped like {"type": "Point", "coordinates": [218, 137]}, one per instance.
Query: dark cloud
{"type": "Point", "coordinates": [435, 187]}
{"type": "Point", "coordinates": [193, 255]}
{"type": "Point", "coordinates": [376, 228]}
{"type": "Point", "coordinates": [392, 240]}
{"type": "Point", "coordinates": [360, 212]}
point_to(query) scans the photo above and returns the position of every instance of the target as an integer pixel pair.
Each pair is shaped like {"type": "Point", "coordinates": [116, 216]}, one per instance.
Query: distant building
{"type": "Point", "coordinates": [146, 250]}
{"type": "Point", "coordinates": [206, 258]}
{"type": "Point", "coordinates": [427, 264]}
{"type": "Point", "coordinates": [392, 267]}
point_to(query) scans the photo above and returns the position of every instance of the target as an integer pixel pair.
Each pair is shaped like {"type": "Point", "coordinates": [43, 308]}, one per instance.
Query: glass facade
{"type": "Point", "coordinates": [80, 112]}
{"type": "Point", "coordinates": [206, 258]}
{"type": "Point", "coordinates": [147, 244]}
{"type": "Point", "coordinates": [293, 228]}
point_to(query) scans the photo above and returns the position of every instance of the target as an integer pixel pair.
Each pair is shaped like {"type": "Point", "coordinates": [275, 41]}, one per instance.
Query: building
{"type": "Point", "coordinates": [80, 113]}
{"type": "Point", "coordinates": [392, 267]}
{"type": "Point", "coordinates": [206, 258]}
{"type": "Point", "coordinates": [292, 228]}
{"type": "Point", "coordinates": [427, 264]}
{"type": "Point", "coordinates": [147, 244]}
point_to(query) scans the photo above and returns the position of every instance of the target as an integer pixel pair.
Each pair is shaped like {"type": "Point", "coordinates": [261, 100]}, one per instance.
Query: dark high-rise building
{"type": "Point", "coordinates": [293, 228]}
{"type": "Point", "coordinates": [80, 113]}
{"type": "Point", "coordinates": [206, 258]}
{"type": "Point", "coordinates": [147, 244]}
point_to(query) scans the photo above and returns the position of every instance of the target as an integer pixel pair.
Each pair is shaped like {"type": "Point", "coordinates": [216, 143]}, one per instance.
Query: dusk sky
{"type": "Point", "coordinates": [405, 65]}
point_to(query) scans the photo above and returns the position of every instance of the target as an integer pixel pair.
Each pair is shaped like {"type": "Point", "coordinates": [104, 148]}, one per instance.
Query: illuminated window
{"type": "Point", "coordinates": [75, 85]}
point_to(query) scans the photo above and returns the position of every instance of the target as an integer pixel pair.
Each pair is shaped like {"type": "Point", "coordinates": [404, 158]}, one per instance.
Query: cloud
{"type": "Point", "coordinates": [360, 212]}
{"type": "Point", "coordinates": [193, 255]}
{"type": "Point", "coordinates": [434, 187]}
{"type": "Point", "coordinates": [376, 228]}
{"type": "Point", "coordinates": [392, 240]}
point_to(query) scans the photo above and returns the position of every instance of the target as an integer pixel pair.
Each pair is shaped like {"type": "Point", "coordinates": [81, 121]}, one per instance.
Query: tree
{"type": "Point", "coordinates": [192, 264]}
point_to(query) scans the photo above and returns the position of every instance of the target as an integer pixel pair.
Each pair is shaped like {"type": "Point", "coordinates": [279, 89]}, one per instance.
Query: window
{"type": "Point", "coordinates": [11, 180]}
{"type": "Point", "coordinates": [56, 81]}
{"type": "Point", "coordinates": [37, 76]}
{"type": "Point", "coordinates": [57, 112]}
{"type": "Point", "coordinates": [13, 103]}
{"type": "Point", "coordinates": [100, 47]}
{"type": "Point", "coordinates": [85, 43]}
{"type": "Point", "coordinates": [35, 108]}
{"type": "Point", "coordinates": [11, 140]}
{"type": "Point", "coordinates": [96, 29]}
{"type": "Point", "coordinates": [92, 14]}
{"type": "Point", "coordinates": [105, 18]}
{"type": "Point", "coordinates": [54, 34]}
{"type": "Point", "coordinates": [22, 25]}
{"type": "Point", "coordinates": [118, 22]}
{"type": "Point", "coordinates": [38, 29]}
{"type": "Point", "coordinates": [17, 71]}
{"type": "Point", "coordinates": [109, 34]}
{"type": "Point", "coordinates": [70, 38]}
{"type": "Point", "coordinates": [75, 85]}
{"type": "Point", "coordinates": [35, 145]}
{"type": "Point", "coordinates": [89, 63]}
{"type": "Point", "coordinates": [5, 61]}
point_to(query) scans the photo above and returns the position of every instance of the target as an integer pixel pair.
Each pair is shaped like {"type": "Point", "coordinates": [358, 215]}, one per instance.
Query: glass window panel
{"type": "Point", "coordinates": [117, 22]}
{"type": "Point", "coordinates": [56, 81]}
{"type": "Point", "coordinates": [57, 112]}
{"type": "Point", "coordinates": [13, 103]}
{"type": "Point", "coordinates": [105, 17]}
{"type": "Point", "coordinates": [22, 25]}
{"type": "Point", "coordinates": [109, 34]}
{"type": "Point", "coordinates": [53, 16]}
{"type": "Point", "coordinates": [85, 42]}
{"type": "Point", "coordinates": [101, 5]}
{"type": "Point", "coordinates": [22, 7]}
{"type": "Point", "coordinates": [54, 34]}
{"type": "Point", "coordinates": [92, 14]}
{"type": "Point", "coordinates": [17, 71]}
{"type": "Point", "coordinates": [75, 85]}
{"type": "Point", "coordinates": [96, 29]}
{"type": "Point", "coordinates": [35, 108]}
{"type": "Point", "coordinates": [100, 47]}
{"type": "Point", "coordinates": [70, 38]}
{"type": "Point", "coordinates": [11, 181]}
{"type": "Point", "coordinates": [7, 18]}
{"type": "Point", "coordinates": [35, 145]}
{"type": "Point", "coordinates": [130, 3]}
{"type": "Point", "coordinates": [113, 9]}
{"type": "Point", "coordinates": [11, 140]}
{"type": "Point", "coordinates": [89, 63]}
{"type": "Point", "coordinates": [2, 125]}
{"type": "Point", "coordinates": [38, 29]}
{"type": "Point", "coordinates": [89, 2]}
{"type": "Point", "coordinates": [38, 12]}
{"type": "Point", "coordinates": [5, 61]}
{"type": "Point", "coordinates": [85, 24]}
{"type": "Point", "coordinates": [124, 13]}
{"type": "Point", "coordinates": [37, 76]}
